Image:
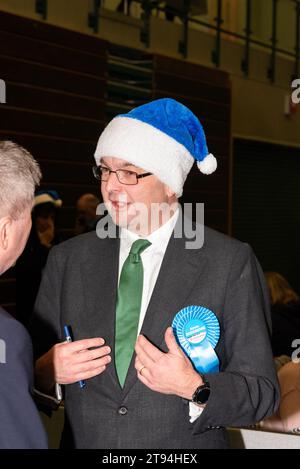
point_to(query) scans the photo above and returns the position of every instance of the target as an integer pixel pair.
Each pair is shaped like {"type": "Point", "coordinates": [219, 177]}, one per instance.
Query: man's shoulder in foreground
{"type": "Point", "coordinates": [17, 344]}
{"type": "Point", "coordinates": [20, 424]}
{"type": "Point", "coordinates": [10, 326]}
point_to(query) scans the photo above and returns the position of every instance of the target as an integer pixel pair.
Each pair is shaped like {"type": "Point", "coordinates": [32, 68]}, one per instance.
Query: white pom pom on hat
{"type": "Point", "coordinates": [163, 137]}
{"type": "Point", "coordinates": [208, 165]}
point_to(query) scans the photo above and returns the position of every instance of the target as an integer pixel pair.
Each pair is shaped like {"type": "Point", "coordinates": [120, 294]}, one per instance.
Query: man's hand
{"type": "Point", "coordinates": [167, 373]}
{"type": "Point", "coordinates": [67, 363]}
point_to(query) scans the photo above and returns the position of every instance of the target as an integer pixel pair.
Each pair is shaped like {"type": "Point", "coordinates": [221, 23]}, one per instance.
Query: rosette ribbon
{"type": "Point", "coordinates": [197, 331]}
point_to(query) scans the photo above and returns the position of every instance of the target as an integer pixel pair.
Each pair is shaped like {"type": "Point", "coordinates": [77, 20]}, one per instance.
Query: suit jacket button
{"type": "Point", "coordinates": [122, 410]}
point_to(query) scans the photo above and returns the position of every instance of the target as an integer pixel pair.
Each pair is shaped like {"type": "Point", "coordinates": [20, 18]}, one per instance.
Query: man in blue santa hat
{"type": "Point", "coordinates": [149, 385]}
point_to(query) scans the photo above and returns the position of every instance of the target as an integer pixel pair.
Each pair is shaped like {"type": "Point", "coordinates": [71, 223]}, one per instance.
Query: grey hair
{"type": "Point", "coordinates": [19, 176]}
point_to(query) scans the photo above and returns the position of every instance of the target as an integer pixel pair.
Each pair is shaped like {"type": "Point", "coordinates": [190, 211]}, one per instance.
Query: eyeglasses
{"type": "Point", "coordinates": [130, 178]}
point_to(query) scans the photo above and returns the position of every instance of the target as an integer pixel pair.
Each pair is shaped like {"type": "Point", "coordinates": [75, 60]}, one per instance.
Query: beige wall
{"type": "Point", "coordinates": [257, 105]}
{"type": "Point", "coordinates": [258, 113]}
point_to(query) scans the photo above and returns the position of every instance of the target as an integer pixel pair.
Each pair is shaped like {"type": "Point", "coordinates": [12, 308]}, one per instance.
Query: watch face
{"type": "Point", "coordinates": [202, 395]}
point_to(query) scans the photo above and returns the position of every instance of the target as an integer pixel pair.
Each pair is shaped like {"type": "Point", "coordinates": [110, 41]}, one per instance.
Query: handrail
{"type": "Point", "coordinates": [246, 38]}
{"type": "Point", "coordinates": [216, 53]}
{"type": "Point", "coordinates": [297, 41]}
{"type": "Point", "coordinates": [149, 5]}
{"type": "Point", "coordinates": [41, 7]}
{"type": "Point", "coordinates": [246, 60]}
{"type": "Point", "coordinates": [93, 18]}
{"type": "Point", "coordinates": [272, 67]}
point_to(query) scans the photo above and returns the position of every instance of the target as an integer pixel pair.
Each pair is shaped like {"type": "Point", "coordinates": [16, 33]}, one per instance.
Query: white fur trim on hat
{"type": "Point", "coordinates": [147, 147]}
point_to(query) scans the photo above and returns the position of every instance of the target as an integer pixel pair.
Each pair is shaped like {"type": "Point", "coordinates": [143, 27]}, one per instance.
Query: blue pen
{"type": "Point", "coordinates": [69, 339]}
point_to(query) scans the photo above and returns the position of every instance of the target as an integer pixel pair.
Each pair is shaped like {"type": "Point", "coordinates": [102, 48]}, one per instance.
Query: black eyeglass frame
{"type": "Point", "coordinates": [138, 176]}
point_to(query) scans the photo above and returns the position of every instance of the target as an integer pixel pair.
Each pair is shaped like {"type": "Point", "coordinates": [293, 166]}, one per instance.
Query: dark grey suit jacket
{"type": "Point", "coordinates": [79, 288]}
{"type": "Point", "coordinates": [20, 424]}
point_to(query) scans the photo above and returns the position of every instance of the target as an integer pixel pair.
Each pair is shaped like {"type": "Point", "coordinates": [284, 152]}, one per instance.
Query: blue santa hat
{"type": "Point", "coordinates": [163, 137]}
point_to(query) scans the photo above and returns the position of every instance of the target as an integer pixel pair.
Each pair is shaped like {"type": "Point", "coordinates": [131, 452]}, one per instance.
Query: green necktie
{"type": "Point", "coordinates": [128, 307]}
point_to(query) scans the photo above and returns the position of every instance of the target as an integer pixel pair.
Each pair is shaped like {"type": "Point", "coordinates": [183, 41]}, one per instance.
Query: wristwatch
{"type": "Point", "coordinates": [201, 395]}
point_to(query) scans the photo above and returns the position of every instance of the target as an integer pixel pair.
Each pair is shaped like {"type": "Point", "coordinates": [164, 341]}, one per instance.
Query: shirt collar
{"type": "Point", "coordinates": [159, 238]}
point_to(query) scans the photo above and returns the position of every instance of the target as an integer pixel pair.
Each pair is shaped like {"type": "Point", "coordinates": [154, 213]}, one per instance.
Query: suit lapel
{"type": "Point", "coordinates": [100, 282]}
{"type": "Point", "coordinates": [179, 271]}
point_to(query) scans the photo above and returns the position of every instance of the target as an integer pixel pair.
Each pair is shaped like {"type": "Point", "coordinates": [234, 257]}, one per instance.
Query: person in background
{"type": "Point", "coordinates": [31, 263]}
{"type": "Point", "coordinates": [20, 424]}
{"type": "Point", "coordinates": [87, 218]}
{"type": "Point", "coordinates": [285, 308]}
{"type": "Point", "coordinates": [287, 417]}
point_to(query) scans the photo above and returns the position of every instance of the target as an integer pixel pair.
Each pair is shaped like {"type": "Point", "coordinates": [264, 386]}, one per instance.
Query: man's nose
{"type": "Point", "coordinates": [113, 183]}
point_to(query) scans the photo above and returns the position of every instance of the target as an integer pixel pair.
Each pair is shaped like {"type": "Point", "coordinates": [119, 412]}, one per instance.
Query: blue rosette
{"type": "Point", "coordinates": [197, 331]}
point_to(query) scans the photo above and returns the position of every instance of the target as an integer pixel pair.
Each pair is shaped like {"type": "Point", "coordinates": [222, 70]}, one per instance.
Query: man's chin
{"type": "Point", "coordinates": [131, 223]}
{"type": "Point", "coordinates": [119, 218]}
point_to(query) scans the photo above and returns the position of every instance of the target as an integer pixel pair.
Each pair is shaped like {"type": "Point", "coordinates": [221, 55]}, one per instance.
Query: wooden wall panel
{"type": "Point", "coordinates": [190, 87]}
{"type": "Point", "coordinates": [66, 172]}
{"type": "Point", "coordinates": [180, 68]}
{"type": "Point", "coordinates": [56, 35]}
{"type": "Point", "coordinates": [54, 148]}
{"type": "Point", "coordinates": [54, 101]}
{"type": "Point", "coordinates": [52, 78]}
{"type": "Point", "coordinates": [59, 125]}
{"type": "Point", "coordinates": [56, 91]}
{"type": "Point", "coordinates": [33, 50]}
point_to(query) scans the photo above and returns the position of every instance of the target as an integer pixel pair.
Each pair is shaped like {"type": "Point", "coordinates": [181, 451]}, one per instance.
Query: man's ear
{"type": "Point", "coordinates": [5, 228]}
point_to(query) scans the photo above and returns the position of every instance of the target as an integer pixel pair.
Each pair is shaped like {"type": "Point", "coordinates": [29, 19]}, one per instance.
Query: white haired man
{"type": "Point", "coordinates": [20, 424]}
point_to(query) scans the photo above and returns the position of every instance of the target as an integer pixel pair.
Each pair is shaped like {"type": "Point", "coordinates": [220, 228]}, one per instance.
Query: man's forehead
{"type": "Point", "coordinates": [117, 162]}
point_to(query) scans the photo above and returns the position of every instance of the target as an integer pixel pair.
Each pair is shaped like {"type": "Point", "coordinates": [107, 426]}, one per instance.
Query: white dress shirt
{"type": "Point", "coordinates": [152, 258]}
